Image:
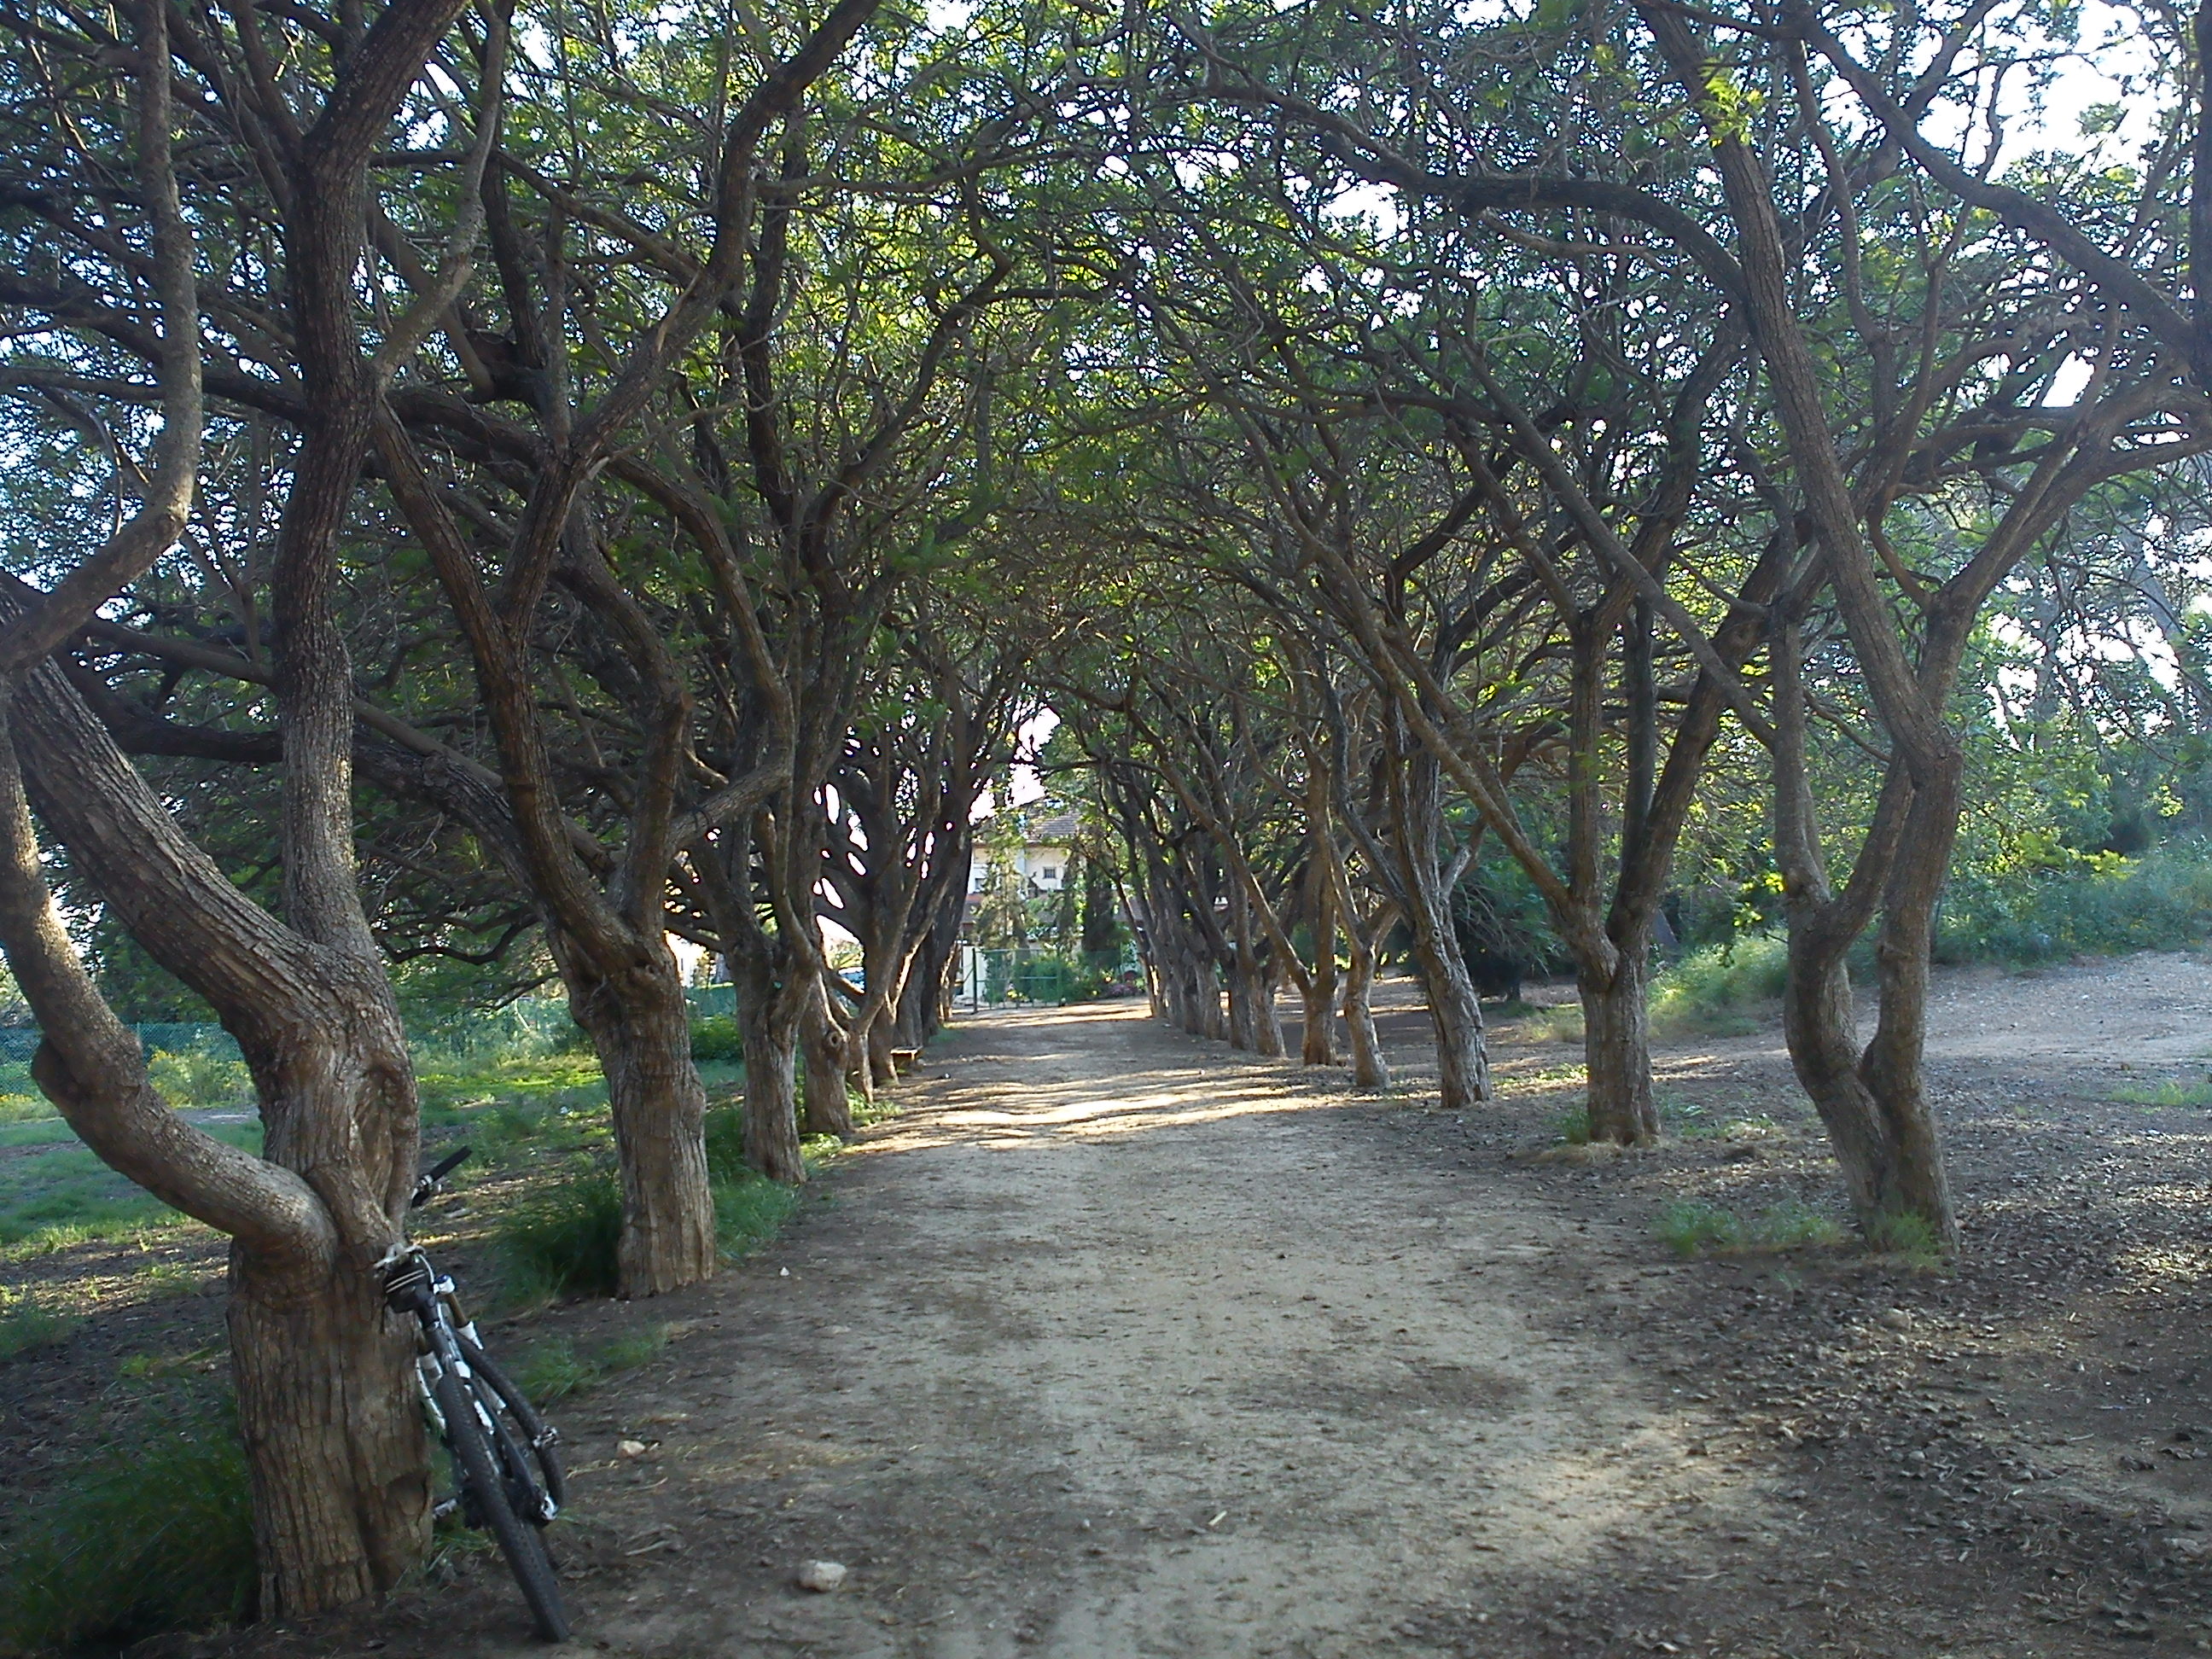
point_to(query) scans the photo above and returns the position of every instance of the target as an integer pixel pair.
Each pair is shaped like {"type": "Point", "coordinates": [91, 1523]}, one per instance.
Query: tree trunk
{"type": "Point", "coordinates": [1455, 1013]}
{"type": "Point", "coordinates": [1875, 1104]}
{"type": "Point", "coordinates": [331, 1418]}
{"type": "Point", "coordinates": [1317, 1042]}
{"type": "Point", "coordinates": [828, 1108]}
{"type": "Point", "coordinates": [1617, 1049]}
{"type": "Point", "coordinates": [767, 1029]}
{"type": "Point", "coordinates": [640, 1027]}
{"type": "Point", "coordinates": [1267, 1017]}
{"type": "Point", "coordinates": [1243, 1007]}
{"type": "Point", "coordinates": [1369, 1069]}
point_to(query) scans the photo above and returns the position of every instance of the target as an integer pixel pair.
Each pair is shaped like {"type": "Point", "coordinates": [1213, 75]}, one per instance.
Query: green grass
{"type": "Point", "coordinates": [154, 1534]}
{"type": "Point", "coordinates": [1909, 1237]}
{"type": "Point", "coordinates": [2171, 1092]}
{"type": "Point", "coordinates": [555, 1370]}
{"type": "Point", "coordinates": [61, 1194]}
{"type": "Point", "coordinates": [28, 1322]}
{"type": "Point", "coordinates": [562, 1240]}
{"type": "Point", "coordinates": [1692, 1229]}
{"type": "Point", "coordinates": [750, 1211]}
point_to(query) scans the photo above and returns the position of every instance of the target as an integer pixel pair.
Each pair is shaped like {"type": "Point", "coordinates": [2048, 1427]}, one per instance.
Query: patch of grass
{"type": "Point", "coordinates": [555, 1370]}
{"type": "Point", "coordinates": [556, 1080]}
{"type": "Point", "coordinates": [1908, 1238]}
{"type": "Point", "coordinates": [2171, 1092]}
{"type": "Point", "coordinates": [141, 1367]}
{"type": "Point", "coordinates": [1691, 1229]}
{"type": "Point", "coordinates": [748, 1213]}
{"type": "Point", "coordinates": [28, 1322]}
{"type": "Point", "coordinates": [155, 1534]}
{"type": "Point", "coordinates": [1573, 1127]}
{"type": "Point", "coordinates": [1562, 1023]}
{"type": "Point", "coordinates": [62, 1194]}
{"type": "Point", "coordinates": [563, 1240]}
{"type": "Point", "coordinates": [726, 1145]}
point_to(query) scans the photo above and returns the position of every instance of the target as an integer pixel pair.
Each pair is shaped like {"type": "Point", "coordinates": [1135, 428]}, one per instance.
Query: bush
{"type": "Point", "coordinates": [716, 1037]}
{"type": "Point", "coordinates": [563, 1241]}
{"type": "Point", "coordinates": [1713, 987]}
{"type": "Point", "coordinates": [156, 1534]}
{"type": "Point", "coordinates": [2048, 902]}
{"type": "Point", "coordinates": [199, 1077]}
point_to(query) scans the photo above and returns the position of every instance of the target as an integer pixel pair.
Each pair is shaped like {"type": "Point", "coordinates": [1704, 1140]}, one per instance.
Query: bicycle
{"type": "Point", "coordinates": [508, 1479]}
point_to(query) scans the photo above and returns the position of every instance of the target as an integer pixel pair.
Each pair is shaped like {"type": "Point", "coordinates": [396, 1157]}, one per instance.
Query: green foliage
{"type": "Point", "coordinates": [199, 1077]}
{"type": "Point", "coordinates": [1907, 1237]}
{"type": "Point", "coordinates": [2044, 900]}
{"type": "Point", "coordinates": [2171, 1092]}
{"type": "Point", "coordinates": [1709, 989]}
{"type": "Point", "coordinates": [155, 1534]}
{"type": "Point", "coordinates": [1690, 1228]}
{"type": "Point", "coordinates": [750, 1211]}
{"type": "Point", "coordinates": [556, 1370]}
{"type": "Point", "coordinates": [562, 1241]}
{"type": "Point", "coordinates": [717, 1037]}
{"type": "Point", "coordinates": [28, 1322]}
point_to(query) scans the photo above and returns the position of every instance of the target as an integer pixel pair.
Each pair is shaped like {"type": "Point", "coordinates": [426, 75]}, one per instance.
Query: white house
{"type": "Point", "coordinates": [1043, 861]}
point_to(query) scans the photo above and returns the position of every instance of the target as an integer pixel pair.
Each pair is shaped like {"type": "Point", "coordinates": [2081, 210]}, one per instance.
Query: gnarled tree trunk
{"type": "Point", "coordinates": [1617, 1049]}
{"type": "Point", "coordinates": [640, 1024]}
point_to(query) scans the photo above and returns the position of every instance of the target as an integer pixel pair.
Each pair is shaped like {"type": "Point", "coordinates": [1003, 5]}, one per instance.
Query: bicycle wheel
{"type": "Point", "coordinates": [476, 1468]}
{"type": "Point", "coordinates": [534, 1435]}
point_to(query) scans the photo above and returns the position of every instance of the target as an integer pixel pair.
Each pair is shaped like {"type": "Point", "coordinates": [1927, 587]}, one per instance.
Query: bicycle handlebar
{"type": "Point", "coordinates": [428, 1182]}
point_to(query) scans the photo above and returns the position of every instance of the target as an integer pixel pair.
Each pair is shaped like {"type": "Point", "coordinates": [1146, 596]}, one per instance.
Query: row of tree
{"type": "Point", "coordinates": [558, 477]}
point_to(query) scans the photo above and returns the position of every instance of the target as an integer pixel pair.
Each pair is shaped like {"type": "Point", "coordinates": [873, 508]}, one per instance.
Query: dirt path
{"type": "Point", "coordinates": [1118, 1344]}
{"type": "Point", "coordinates": [1113, 1346]}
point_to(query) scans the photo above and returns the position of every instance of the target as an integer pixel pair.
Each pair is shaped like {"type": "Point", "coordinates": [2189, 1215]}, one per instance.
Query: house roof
{"type": "Point", "coordinates": [1054, 832]}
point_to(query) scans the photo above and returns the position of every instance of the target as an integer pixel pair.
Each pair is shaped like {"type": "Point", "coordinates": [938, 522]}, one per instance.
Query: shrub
{"type": "Point", "coordinates": [1710, 987]}
{"type": "Point", "coordinates": [2045, 900]}
{"type": "Point", "coordinates": [199, 1077]}
{"type": "Point", "coordinates": [716, 1037]}
{"type": "Point", "coordinates": [563, 1241]}
{"type": "Point", "coordinates": [155, 1534]}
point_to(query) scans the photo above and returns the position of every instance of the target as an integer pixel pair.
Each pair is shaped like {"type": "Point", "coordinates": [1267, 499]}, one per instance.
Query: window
{"type": "Point", "coordinates": [1051, 872]}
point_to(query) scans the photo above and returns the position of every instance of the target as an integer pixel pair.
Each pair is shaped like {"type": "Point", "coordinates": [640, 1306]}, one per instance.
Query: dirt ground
{"type": "Point", "coordinates": [1117, 1343]}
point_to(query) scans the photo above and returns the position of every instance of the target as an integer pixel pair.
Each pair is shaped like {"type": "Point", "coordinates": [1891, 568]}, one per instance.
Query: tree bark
{"type": "Point", "coordinates": [1369, 1069]}
{"type": "Point", "coordinates": [640, 1024]}
{"type": "Point", "coordinates": [332, 1422]}
{"type": "Point", "coordinates": [1617, 1049]}
{"type": "Point", "coordinates": [828, 1108]}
